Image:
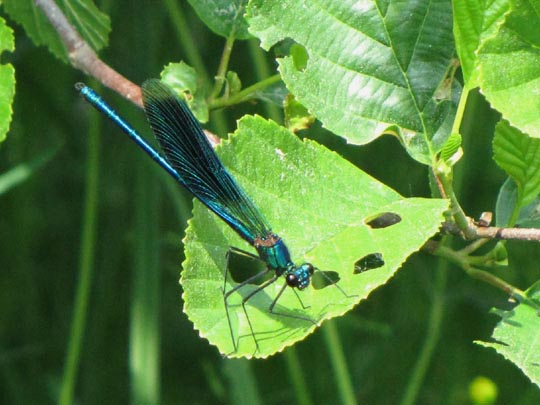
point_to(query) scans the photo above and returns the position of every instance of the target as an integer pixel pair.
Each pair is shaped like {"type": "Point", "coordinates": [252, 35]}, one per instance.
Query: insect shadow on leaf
{"type": "Point", "coordinates": [245, 268]}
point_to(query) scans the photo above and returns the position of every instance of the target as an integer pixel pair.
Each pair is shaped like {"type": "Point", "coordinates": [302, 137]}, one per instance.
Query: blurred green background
{"type": "Point", "coordinates": [425, 318]}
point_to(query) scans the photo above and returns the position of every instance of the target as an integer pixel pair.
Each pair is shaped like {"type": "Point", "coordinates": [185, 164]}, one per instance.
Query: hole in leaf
{"type": "Point", "coordinates": [369, 262]}
{"type": "Point", "coordinates": [300, 57]}
{"type": "Point", "coordinates": [383, 220]}
{"type": "Point", "coordinates": [283, 48]}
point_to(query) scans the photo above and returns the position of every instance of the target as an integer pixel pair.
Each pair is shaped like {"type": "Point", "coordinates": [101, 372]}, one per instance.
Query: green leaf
{"type": "Point", "coordinates": [474, 21]}
{"type": "Point", "coordinates": [451, 151]}
{"type": "Point", "coordinates": [506, 203]}
{"type": "Point", "coordinates": [516, 335]}
{"type": "Point", "coordinates": [275, 94]}
{"type": "Point", "coordinates": [370, 68]}
{"type": "Point", "coordinates": [519, 156]}
{"type": "Point", "coordinates": [528, 216]}
{"type": "Point", "coordinates": [90, 23]}
{"type": "Point", "coordinates": [183, 79]}
{"type": "Point", "coordinates": [319, 204]}
{"type": "Point", "coordinates": [7, 80]}
{"type": "Point", "coordinates": [509, 72]}
{"type": "Point", "coordinates": [223, 16]}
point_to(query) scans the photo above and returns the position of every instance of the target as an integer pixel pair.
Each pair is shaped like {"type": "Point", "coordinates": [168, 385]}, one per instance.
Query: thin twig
{"type": "Point", "coordinates": [83, 57]}
{"type": "Point", "coordinates": [493, 232]}
{"type": "Point", "coordinates": [463, 261]}
{"type": "Point", "coordinates": [473, 246]}
{"type": "Point", "coordinates": [245, 94]}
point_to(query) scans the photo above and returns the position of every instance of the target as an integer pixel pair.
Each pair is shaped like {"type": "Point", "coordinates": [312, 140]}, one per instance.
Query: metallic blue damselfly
{"type": "Point", "coordinates": [190, 159]}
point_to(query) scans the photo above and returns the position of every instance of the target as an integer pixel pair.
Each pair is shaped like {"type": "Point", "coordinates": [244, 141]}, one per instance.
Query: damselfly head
{"type": "Point", "coordinates": [300, 277]}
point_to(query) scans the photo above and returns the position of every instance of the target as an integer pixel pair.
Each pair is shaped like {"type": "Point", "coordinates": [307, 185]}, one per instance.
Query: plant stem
{"type": "Point", "coordinates": [245, 93]}
{"type": "Point", "coordinates": [473, 246]}
{"type": "Point", "coordinates": [297, 377]}
{"type": "Point", "coordinates": [82, 56]}
{"type": "Point", "coordinates": [243, 387]}
{"type": "Point", "coordinates": [86, 264]}
{"type": "Point", "coordinates": [460, 110]}
{"type": "Point", "coordinates": [337, 358]}
{"type": "Point", "coordinates": [144, 336]}
{"type": "Point", "coordinates": [263, 70]}
{"type": "Point", "coordinates": [183, 35]}
{"type": "Point", "coordinates": [464, 262]}
{"type": "Point", "coordinates": [457, 212]}
{"type": "Point", "coordinates": [446, 179]}
{"type": "Point", "coordinates": [223, 66]}
{"type": "Point", "coordinates": [185, 39]}
{"type": "Point", "coordinates": [23, 171]}
{"type": "Point", "coordinates": [432, 336]}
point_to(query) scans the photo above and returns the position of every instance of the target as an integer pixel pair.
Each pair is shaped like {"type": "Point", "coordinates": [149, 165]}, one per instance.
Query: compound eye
{"type": "Point", "coordinates": [292, 280]}
{"type": "Point", "coordinates": [310, 268]}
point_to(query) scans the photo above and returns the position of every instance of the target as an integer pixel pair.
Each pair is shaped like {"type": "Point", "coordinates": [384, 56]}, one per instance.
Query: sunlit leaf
{"type": "Point", "coordinates": [474, 21]}
{"type": "Point", "coordinates": [183, 79]}
{"type": "Point", "coordinates": [7, 80]}
{"type": "Point", "coordinates": [318, 203]}
{"type": "Point", "coordinates": [509, 67]}
{"type": "Point", "coordinates": [371, 68]}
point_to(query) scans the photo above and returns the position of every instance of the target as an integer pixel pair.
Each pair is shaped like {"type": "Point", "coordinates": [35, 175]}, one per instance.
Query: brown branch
{"type": "Point", "coordinates": [83, 57]}
{"type": "Point", "coordinates": [492, 232]}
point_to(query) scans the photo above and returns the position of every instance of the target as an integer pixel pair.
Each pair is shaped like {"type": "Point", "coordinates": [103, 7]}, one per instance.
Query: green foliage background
{"type": "Point", "coordinates": [429, 313]}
